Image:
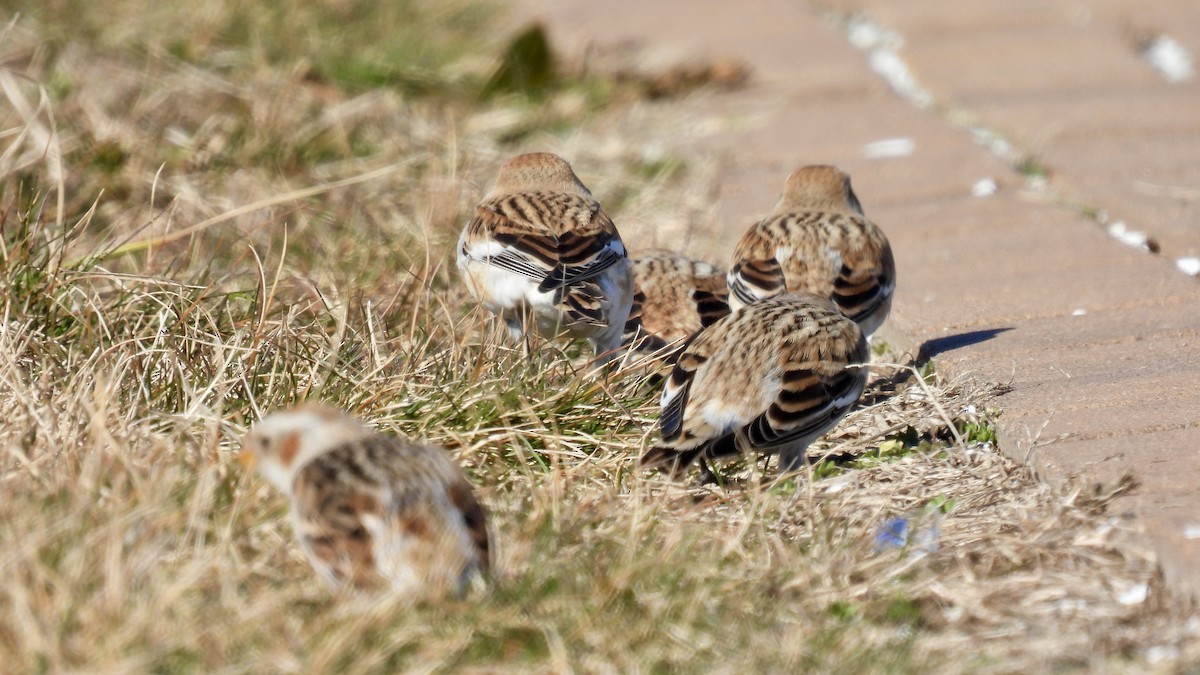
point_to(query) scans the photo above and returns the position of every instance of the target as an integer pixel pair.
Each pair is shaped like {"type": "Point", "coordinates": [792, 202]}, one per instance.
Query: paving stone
{"type": "Point", "coordinates": [971, 67]}
{"type": "Point", "coordinates": [1162, 462]}
{"type": "Point", "coordinates": [984, 48]}
{"type": "Point", "coordinates": [1047, 74]}
{"type": "Point", "coordinates": [1078, 412]}
{"type": "Point", "coordinates": [837, 132]}
{"type": "Point", "coordinates": [777, 37]}
{"type": "Point", "coordinates": [922, 20]}
{"type": "Point", "coordinates": [973, 288]}
{"type": "Point", "coordinates": [1142, 20]}
{"type": "Point", "coordinates": [1155, 185]}
{"type": "Point", "coordinates": [1060, 385]}
{"type": "Point", "coordinates": [1164, 499]}
{"type": "Point", "coordinates": [1172, 530]}
{"type": "Point", "coordinates": [761, 151]}
{"type": "Point", "coordinates": [1172, 318]}
{"type": "Point", "coordinates": [1038, 120]}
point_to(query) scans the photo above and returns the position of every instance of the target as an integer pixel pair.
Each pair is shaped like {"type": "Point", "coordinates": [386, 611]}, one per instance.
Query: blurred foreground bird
{"type": "Point", "coordinates": [817, 240]}
{"type": "Point", "coordinates": [370, 507]}
{"type": "Point", "coordinates": [769, 378]}
{"type": "Point", "coordinates": [673, 297]}
{"type": "Point", "coordinates": [540, 249]}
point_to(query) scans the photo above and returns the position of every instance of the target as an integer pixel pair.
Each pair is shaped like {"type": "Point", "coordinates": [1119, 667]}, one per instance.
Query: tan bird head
{"type": "Point", "coordinates": [281, 443]}
{"type": "Point", "coordinates": [537, 171]}
{"type": "Point", "coordinates": [818, 188]}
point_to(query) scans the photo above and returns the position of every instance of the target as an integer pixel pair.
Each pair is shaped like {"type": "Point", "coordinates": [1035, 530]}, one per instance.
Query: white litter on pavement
{"type": "Point", "coordinates": [984, 188]}
{"type": "Point", "coordinates": [890, 147]}
{"type": "Point", "coordinates": [1134, 238]}
{"type": "Point", "coordinates": [1189, 266]}
{"type": "Point", "coordinates": [1170, 59]}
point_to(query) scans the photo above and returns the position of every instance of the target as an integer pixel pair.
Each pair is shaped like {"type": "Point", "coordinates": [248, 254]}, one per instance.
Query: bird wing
{"type": "Point", "coordinates": [635, 336]}
{"type": "Point", "coordinates": [584, 256]}
{"type": "Point", "coordinates": [711, 304]}
{"type": "Point", "coordinates": [867, 276]}
{"type": "Point", "coordinates": [756, 273]}
{"type": "Point", "coordinates": [813, 395]}
{"type": "Point", "coordinates": [676, 392]}
{"type": "Point", "coordinates": [509, 234]}
{"type": "Point", "coordinates": [680, 443]}
{"type": "Point", "coordinates": [494, 239]}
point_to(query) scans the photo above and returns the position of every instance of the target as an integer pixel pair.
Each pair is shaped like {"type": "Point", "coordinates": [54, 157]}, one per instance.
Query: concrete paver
{"type": "Point", "coordinates": [1107, 460]}
{"type": "Point", "coordinates": [991, 63]}
{"type": "Point", "coordinates": [1067, 82]}
{"type": "Point", "coordinates": [994, 263]}
{"type": "Point", "coordinates": [1099, 342]}
{"type": "Point", "coordinates": [1040, 120]}
{"type": "Point", "coordinates": [1155, 184]}
{"type": "Point", "coordinates": [1164, 501]}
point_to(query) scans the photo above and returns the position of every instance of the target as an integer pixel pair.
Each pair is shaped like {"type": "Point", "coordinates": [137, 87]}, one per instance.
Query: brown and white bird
{"type": "Point", "coordinates": [673, 297]}
{"type": "Point", "coordinates": [817, 240]}
{"type": "Point", "coordinates": [769, 378]}
{"type": "Point", "coordinates": [372, 509]}
{"type": "Point", "coordinates": [539, 248]}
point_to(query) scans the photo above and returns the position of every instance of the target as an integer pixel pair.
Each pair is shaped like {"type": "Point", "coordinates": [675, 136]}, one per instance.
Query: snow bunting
{"type": "Point", "coordinates": [771, 377]}
{"type": "Point", "coordinates": [370, 507]}
{"type": "Point", "coordinates": [673, 297]}
{"type": "Point", "coordinates": [540, 245]}
{"type": "Point", "coordinates": [817, 240]}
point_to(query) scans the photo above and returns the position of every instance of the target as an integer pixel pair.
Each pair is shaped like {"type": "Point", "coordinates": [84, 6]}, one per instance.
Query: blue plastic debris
{"type": "Point", "coordinates": [893, 534]}
{"type": "Point", "coordinates": [900, 532]}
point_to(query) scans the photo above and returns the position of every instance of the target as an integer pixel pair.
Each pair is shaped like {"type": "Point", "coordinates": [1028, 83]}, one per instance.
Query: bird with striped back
{"type": "Point", "coordinates": [770, 378]}
{"type": "Point", "coordinates": [539, 250]}
{"type": "Point", "coordinates": [674, 296]}
{"type": "Point", "coordinates": [817, 240]}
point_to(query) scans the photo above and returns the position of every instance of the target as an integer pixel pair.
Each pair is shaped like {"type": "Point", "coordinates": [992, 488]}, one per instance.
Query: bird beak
{"type": "Point", "coordinates": [247, 459]}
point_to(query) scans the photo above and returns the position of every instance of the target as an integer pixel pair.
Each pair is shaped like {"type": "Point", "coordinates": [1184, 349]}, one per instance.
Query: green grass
{"type": "Point", "coordinates": [407, 45]}
{"type": "Point", "coordinates": [256, 205]}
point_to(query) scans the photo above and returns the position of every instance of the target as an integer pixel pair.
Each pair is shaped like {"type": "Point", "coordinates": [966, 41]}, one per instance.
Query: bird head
{"type": "Point", "coordinates": [538, 171]}
{"type": "Point", "coordinates": [284, 441]}
{"type": "Point", "coordinates": [818, 187]}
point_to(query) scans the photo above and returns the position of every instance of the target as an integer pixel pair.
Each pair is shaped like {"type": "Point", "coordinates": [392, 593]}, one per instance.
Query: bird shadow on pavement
{"type": "Point", "coordinates": [884, 387]}
{"type": "Point", "coordinates": [931, 348]}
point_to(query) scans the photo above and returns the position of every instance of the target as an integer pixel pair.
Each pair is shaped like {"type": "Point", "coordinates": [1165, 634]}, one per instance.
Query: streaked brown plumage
{"type": "Point", "coordinates": [673, 297]}
{"type": "Point", "coordinates": [371, 508]}
{"type": "Point", "coordinates": [817, 241]}
{"type": "Point", "coordinates": [540, 248]}
{"type": "Point", "coordinates": [771, 377]}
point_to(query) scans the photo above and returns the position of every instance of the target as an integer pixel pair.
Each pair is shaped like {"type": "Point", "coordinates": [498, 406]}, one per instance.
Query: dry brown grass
{"type": "Point", "coordinates": [129, 541]}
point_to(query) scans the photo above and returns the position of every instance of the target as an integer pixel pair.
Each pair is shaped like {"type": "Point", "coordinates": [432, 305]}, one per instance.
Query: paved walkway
{"type": "Point", "coordinates": [1099, 341]}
